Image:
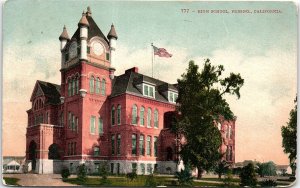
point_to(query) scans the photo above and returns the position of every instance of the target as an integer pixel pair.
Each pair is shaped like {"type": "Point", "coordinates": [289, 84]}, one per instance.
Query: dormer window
{"type": "Point", "coordinates": [172, 96]}
{"type": "Point", "coordinates": [148, 90]}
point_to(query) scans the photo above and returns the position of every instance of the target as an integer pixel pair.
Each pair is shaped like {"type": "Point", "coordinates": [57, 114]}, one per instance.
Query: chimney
{"type": "Point", "coordinates": [133, 69]}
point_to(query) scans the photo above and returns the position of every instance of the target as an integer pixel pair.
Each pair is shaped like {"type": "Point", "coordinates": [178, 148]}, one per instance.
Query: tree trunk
{"type": "Point", "coordinates": [200, 171]}
{"type": "Point", "coordinates": [220, 175]}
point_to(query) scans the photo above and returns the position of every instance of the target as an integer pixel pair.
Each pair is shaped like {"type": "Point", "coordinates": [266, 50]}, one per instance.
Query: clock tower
{"type": "Point", "coordinates": [86, 81]}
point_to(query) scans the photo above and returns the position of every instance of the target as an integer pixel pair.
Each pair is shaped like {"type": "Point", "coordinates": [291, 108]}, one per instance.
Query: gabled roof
{"type": "Point", "coordinates": [126, 83]}
{"type": "Point", "coordinates": [50, 90]}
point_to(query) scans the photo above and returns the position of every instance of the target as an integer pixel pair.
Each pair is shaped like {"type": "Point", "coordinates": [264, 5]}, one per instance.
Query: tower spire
{"type": "Point", "coordinates": [89, 12]}
{"type": "Point", "coordinates": [83, 21]}
{"type": "Point", "coordinates": [64, 35]}
{"type": "Point", "coordinates": [112, 33]}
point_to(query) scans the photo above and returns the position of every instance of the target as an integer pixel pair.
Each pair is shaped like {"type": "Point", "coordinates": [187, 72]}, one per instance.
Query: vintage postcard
{"type": "Point", "coordinates": [149, 93]}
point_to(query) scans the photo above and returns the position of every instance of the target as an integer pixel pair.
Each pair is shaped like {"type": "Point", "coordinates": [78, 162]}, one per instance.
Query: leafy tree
{"type": "Point", "coordinates": [248, 176]}
{"type": "Point", "coordinates": [103, 173]}
{"type": "Point", "coordinates": [289, 137]}
{"type": "Point", "coordinates": [131, 175]}
{"type": "Point", "coordinates": [201, 103]}
{"type": "Point", "coordinates": [221, 168]}
{"type": "Point", "coordinates": [266, 169]}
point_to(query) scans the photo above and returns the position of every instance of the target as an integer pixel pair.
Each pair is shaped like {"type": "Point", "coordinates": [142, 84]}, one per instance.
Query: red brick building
{"type": "Point", "coordinates": [95, 117]}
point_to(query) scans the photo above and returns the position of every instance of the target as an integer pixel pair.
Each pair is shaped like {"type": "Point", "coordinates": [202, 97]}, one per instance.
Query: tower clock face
{"type": "Point", "coordinates": [73, 50]}
{"type": "Point", "coordinates": [98, 48]}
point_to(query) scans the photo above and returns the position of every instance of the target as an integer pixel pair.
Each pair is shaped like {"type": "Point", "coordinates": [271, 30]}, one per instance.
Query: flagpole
{"type": "Point", "coordinates": [152, 57]}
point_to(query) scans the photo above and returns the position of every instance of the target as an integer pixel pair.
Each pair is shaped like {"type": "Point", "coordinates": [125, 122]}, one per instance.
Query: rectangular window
{"type": "Point", "coordinates": [96, 151]}
{"type": "Point", "coordinates": [156, 118]}
{"type": "Point", "coordinates": [119, 144]}
{"type": "Point", "coordinates": [143, 168]}
{"type": "Point", "coordinates": [107, 56]}
{"type": "Point", "coordinates": [111, 168]}
{"type": "Point", "coordinates": [148, 90]}
{"type": "Point", "coordinates": [73, 123]}
{"type": "Point", "coordinates": [142, 145]}
{"type": "Point", "coordinates": [69, 88]}
{"type": "Point", "coordinates": [134, 167]}
{"type": "Point", "coordinates": [119, 115]}
{"type": "Point", "coordinates": [100, 125]}
{"type": "Point", "coordinates": [76, 125]}
{"type": "Point", "coordinates": [97, 167]}
{"type": "Point", "coordinates": [118, 168]}
{"type": "Point", "coordinates": [155, 146]}
{"type": "Point", "coordinates": [77, 85]}
{"type": "Point", "coordinates": [93, 125]}
{"type": "Point", "coordinates": [113, 116]}
{"type": "Point", "coordinates": [69, 149]}
{"type": "Point", "coordinates": [149, 168]}
{"type": "Point", "coordinates": [69, 120]}
{"type": "Point", "coordinates": [74, 152]}
{"type": "Point", "coordinates": [133, 150]}
{"type": "Point", "coordinates": [71, 167]}
{"type": "Point", "coordinates": [151, 94]}
{"type": "Point", "coordinates": [172, 97]}
{"type": "Point", "coordinates": [148, 145]}
{"type": "Point", "coordinates": [66, 57]}
{"type": "Point", "coordinates": [113, 144]}
{"type": "Point", "coordinates": [88, 50]}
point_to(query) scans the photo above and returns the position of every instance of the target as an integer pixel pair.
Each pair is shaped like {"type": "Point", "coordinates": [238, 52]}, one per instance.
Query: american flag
{"type": "Point", "coordinates": [161, 52]}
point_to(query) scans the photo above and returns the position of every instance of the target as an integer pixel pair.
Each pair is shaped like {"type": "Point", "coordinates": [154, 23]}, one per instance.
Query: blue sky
{"type": "Point", "coordinates": [262, 47]}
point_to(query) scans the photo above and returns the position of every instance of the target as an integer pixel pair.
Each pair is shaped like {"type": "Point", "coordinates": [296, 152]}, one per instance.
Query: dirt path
{"type": "Point", "coordinates": [39, 179]}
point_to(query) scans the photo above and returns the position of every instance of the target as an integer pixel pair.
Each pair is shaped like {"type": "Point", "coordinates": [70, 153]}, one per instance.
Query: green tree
{"type": "Point", "coordinates": [184, 177]}
{"type": "Point", "coordinates": [248, 176]}
{"type": "Point", "coordinates": [289, 137]}
{"type": "Point", "coordinates": [266, 169]}
{"type": "Point", "coordinates": [221, 168]}
{"type": "Point", "coordinates": [201, 103]}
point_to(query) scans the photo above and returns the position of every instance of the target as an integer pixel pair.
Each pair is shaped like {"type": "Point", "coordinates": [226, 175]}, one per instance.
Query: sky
{"type": "Point", "coordinates": [262, 47]}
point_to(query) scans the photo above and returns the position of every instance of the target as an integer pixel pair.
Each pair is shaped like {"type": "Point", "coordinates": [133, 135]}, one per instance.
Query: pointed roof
{"type": "Point", "coordinates": [92, 31]}
{"type": "Point", "coordinates": [83, 21]}
{"type": "Point", "coordinates": [64, 34]}
{"type": "Point", "coordinates": [89, 12]}
{"type": "Point", "coordinates": [112, 33]}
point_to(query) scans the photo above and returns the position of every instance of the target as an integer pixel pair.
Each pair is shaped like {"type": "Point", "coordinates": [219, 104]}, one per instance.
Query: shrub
{"type": "Point", "coordinates": [184, 177]}
{"type": "Point", "coordinates": [132, 175]}
{"type": "Point", "coordinates": [65, 173]}
{"type": "Point", "coordinates": [103, 173]}
{"type": "Point", "coordinates": [268, 183]}
{"type": "Point", "coordinates": [248, 176]}
{"type": "Point", "coordinates": [150, 181]}
{"type": "Point", "coordinates": [81, 173]}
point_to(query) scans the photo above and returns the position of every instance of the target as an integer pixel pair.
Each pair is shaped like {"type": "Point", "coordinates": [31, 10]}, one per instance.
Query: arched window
{"type": "Point", "coordinates": [134, 115]}
{"type": "Point", "coordinates": [73, 87]}
{"type": "Point", "coordinates": [103, 89]}
{"type": "Point", "coordinates": [97, 85]}
{"type": "Point", "coordinates": [69, 87]}
{"type": "Point", "coordinates": [142, 116]}
{"type": "Point", "coordinates": [149, 117]}
{"type": "Point", "coordinates": [100, 125]}
{"type": "Point", "coordinates": [156, 118]}
{"type": "Point", "coordinates": [77, 85]}
{"type": "Point", "coordinates": [229, 132]}
{"type": "Point", "coordinates": [92, 84]}
{"type": "Point", "coordinates": [119, 115]}
{"type": "Point", "coordinates": [142, 145]}
{"type": "Point", "coordinates": [112, 115]}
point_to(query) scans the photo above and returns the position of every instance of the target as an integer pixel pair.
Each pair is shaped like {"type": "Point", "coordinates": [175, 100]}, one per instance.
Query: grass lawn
{"type": "Point", "coordinates": [11, 181]}
{"type": "Point", "coordinates": [140, 181]}
{"type": "Point", "coordinates": [235, 180]}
